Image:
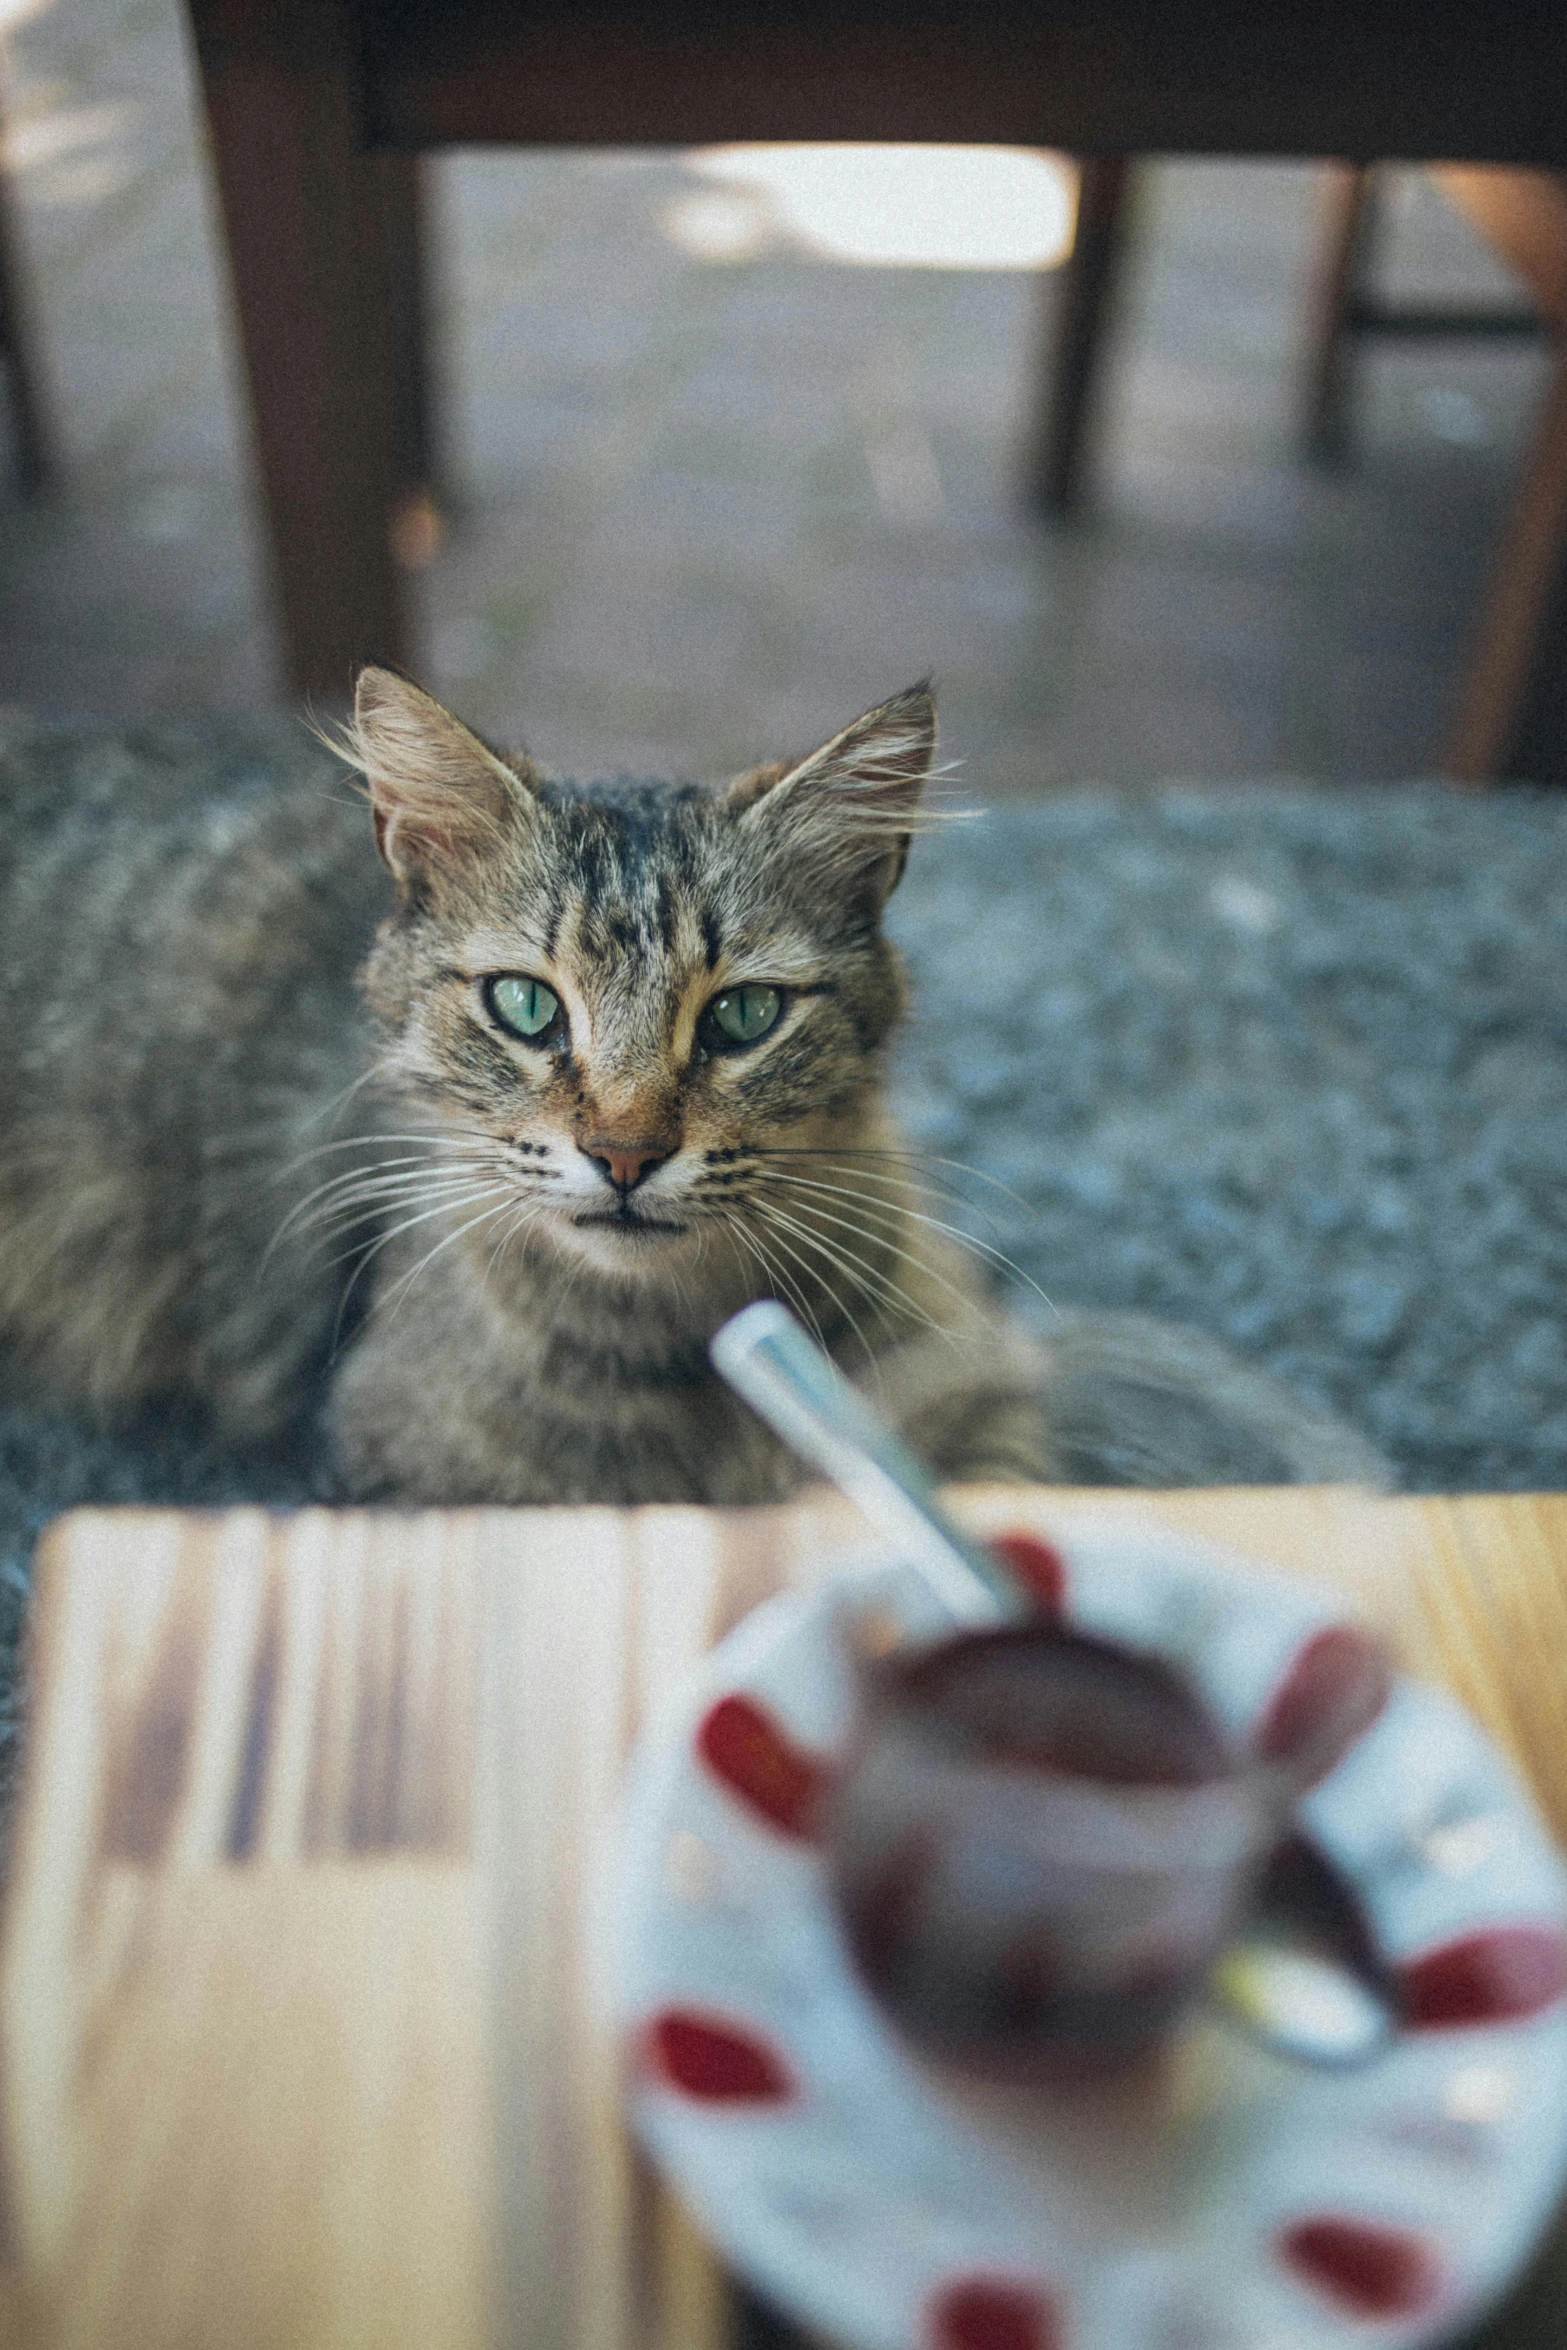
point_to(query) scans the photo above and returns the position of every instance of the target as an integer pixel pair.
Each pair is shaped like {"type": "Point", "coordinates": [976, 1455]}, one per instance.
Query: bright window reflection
{"type": "Point", "coordinates": [913, 207]}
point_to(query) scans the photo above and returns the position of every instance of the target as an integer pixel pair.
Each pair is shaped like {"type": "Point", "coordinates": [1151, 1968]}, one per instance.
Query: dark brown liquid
{"type": "Point", "coordinates": [1049, 1958]}
{"type": "Point", "coordinates": [1053, 1700]}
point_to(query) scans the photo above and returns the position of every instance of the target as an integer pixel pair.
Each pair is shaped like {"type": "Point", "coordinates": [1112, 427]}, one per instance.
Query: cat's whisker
{"type": "Point", "coordinates": [895, 1289]}
{"type": "Point", "coordinates": [330, 1108]}
{"type": "Point", "coordinates": [360, 1258]}
{"type": "Point", "coordinates": [372, 1215]}
{"type": "Point", "coordinates": [829, 1162]}
{"type": "Point", "coordinates": [993, 1258]}
{"type": "Point", "coordinates": [908, 1158]}
{"type": "Point", "coordinates": [391, 1303]}
{"type": "Point", "coordinates": [418, 1134]}
{"type": "Point", "coordinates": [478, 1149]}
{"type": "Point", "coordinates": [879, 1284]}
{"type": "Point", "coordinates": [893, 1211]}
{"type": "Point", "coordinates": [872, 1367]}
{"type": "Point", "coordinates": [367, 1180]}
{"type": "Point", "coordinates": [922, 1187]}
{"type": "Point", "coordinates": [777, 1277]}
{"type": "Point", "coordinates": [682, 1299]}
{"type": "Point", "coordinates": [893, 1208]}
{"type": "Point", "coordinates": [982, 1249]}
{"type": "Point", "coordinates": [524, 1211]}
{"type": "Point", "coordinates": [896, 1293]}
{"type": "Point", "coordinates": [240, 1142]}
{"type": "Point", "coordinates": [843, 1261]}
{"type": "Point", "coordinates": [445, 1207]}
{"type": "Point", "coordinates": [385, 1194]}
{"type": "Point", "coordinates": [527, 1215]}
{"type": "Point", "coordinates": [912, 1185]}
{"type": "Point", "coordinates": [845, 1312]}
{"type": "Point", "coordinates": [428, 1138]}
{"type": "Point", "coordinates": [390, 1172]}
{"type": "Point", "coordinates": [887, 1220]}
{"type": "Point", "coordinates": [370, 1196]}
{"type": "Point", "coordinates": [419, 1158]}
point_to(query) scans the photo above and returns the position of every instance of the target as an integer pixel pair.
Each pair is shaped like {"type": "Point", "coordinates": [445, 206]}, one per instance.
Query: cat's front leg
{"type": "Point", "coordinates": [973, 1406]}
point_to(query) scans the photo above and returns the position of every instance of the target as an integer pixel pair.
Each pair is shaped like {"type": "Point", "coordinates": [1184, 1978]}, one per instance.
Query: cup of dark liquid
{"type": "Point", "coordinates": [1041, 1844]}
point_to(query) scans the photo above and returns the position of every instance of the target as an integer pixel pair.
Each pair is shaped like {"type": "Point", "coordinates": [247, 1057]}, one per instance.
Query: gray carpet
{"type": "Point", "coordinates": [1287, 1065]}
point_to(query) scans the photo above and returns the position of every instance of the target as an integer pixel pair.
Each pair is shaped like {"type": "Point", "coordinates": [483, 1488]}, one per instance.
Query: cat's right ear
{"type": "Point", "coordinates": [441, 798]}
{"type": "Point", "coordinates": [848, 811]}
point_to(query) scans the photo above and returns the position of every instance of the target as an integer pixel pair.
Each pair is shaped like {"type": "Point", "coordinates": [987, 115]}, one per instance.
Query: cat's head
{"type": "Point", "coordinates": [643, 1004]}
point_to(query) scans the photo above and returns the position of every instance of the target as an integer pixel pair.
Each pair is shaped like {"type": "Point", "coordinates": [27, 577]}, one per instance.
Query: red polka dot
{"type": "Point", "coordinates": [1331, 1695]}
{"type": "Point", "coordinates": [1370, 2270]}
{"type": "Point", "coordinates": [715, 2061]}
{"type": "Point", "coordinates": [986, 2313]}
{"type": "Point", "coordinates": [1487, 1978]}
{"type": "Point", "coordinates": [1038, 1566]}
{"type": "Point", "coordinates": [757, 1760]}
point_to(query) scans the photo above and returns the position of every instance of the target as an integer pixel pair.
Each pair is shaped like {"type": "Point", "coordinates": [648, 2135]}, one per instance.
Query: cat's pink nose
{"type": "Point", "coordinates": [625, 1163]}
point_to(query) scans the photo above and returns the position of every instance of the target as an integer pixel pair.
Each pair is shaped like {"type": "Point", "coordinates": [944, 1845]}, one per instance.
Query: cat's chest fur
{"type": "Point", "coordinates": [604, 1413]}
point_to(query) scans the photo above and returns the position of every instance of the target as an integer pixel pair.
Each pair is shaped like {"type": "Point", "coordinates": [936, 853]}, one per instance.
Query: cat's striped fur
{"type": "Point", "coordinates": [259, 1115]}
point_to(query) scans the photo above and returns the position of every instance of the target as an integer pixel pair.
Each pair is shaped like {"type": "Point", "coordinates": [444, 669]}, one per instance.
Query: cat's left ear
{"type": "Point", "coordinates": [442, 798]}
{"type": "Point", "coordinates": [851, 807]}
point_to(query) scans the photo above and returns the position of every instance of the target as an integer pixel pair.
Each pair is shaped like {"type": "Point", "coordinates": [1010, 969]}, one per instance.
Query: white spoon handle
{"type": "Point", "coordinates": [766, 1357]}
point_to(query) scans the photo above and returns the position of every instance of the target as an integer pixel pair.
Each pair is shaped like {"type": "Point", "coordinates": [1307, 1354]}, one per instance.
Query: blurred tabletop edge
{"type": "Point", "coordinates": [297, 2041]}
{"type": "Point", "coordinates": [1120, 76]}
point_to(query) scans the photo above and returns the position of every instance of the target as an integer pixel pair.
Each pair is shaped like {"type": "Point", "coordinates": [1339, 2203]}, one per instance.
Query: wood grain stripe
{"type": "Point", "coordinates": [149, 1750]}
{"type": "Point", "coordinates": [256, 1739]}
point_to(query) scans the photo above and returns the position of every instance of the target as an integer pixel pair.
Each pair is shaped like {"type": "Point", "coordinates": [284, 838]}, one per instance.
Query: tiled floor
{"type": "Point", "coordinates": [701, 511]}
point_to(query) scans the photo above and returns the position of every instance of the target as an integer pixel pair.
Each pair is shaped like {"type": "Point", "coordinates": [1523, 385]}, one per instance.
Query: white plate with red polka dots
{"type": "Point", "coordinates": [1224, 2198]}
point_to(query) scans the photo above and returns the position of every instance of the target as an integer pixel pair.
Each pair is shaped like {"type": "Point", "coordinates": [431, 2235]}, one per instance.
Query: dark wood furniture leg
{"type": "Point", "coordinates": [322, 241]}
{"type": "Point", "coordinates": [1512, 712]}
{"type": "Point", "coordinates": [1343, 258]}
{"type": "Point", "coordinates": [1512, 717]}
{"type": "Point", "coordinates": [1344, 306]}
{"type": "Point", "coordinates": [1080, 306]}
{"type": "Point", "coordinates": [398, 182]}
{"type": "Point", "coordinates": [34, 459]}
{"type": "Point", "coordinates": [1538, 749]}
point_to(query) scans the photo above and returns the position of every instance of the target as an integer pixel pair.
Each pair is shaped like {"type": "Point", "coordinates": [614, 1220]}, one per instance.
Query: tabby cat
{"type": "Point", "coordinates": [492, 1135]}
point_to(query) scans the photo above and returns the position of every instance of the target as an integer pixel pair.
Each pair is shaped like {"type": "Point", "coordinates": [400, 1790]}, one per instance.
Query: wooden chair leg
{"type": "Point", "coordinates": [34, 458]}
{"type": "Point", "coordinates": [398, 184]}
{"type": "Point", "coordinates": [314, 229]}
{"type": "Point", "coordinates": [1081, 303]}
{"type": "Point", "coordinates": [1343, 260]}
{"type": "Point", "coordinates": [397, 181]}
{"type": "Point", "coordinates": [1511, 714]}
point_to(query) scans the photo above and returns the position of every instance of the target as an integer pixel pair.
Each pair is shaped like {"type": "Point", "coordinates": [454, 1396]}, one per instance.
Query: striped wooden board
{"type": "Point", "coordinates": [296, 2033]}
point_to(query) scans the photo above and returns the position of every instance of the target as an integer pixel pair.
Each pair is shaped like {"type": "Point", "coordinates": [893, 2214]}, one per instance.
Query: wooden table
{"type": "Point", "coordinates": [319, 108]}
{"type": "Point", "coordinates": [295, 2037]}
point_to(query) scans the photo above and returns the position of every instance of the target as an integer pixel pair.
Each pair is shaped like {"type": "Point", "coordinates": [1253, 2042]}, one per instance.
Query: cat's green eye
{"type": "Point", "coordinates": [526, 1006]}
{"type": "Point", "coordinates": [743, 1014]}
